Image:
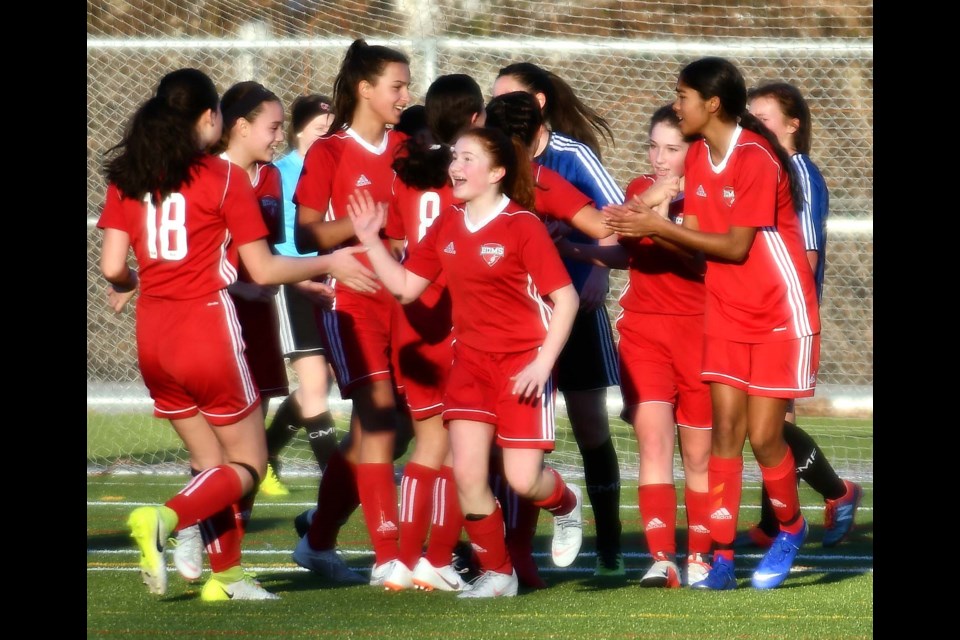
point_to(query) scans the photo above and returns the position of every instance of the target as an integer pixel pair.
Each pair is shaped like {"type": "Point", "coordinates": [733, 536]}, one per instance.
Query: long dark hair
{"type": "Point", "coordinates": [160, 146]}
{"type": "Point", "coordinates": [361, 62]}
{"type": "Point", "coordinates": [792, 105]}
{"type": "Point", "coordinates": [718, 77]}
{"type": "Point", "coordinates": [242, 100]}
{"type": "Point", "coordinates": [449, 107]}
{"type": "Point", "coordinates": [563, 111]}
{"type": "Point", "coordinates": [517, 114]}
{"type": "Point", "coordinates": [508, 152]}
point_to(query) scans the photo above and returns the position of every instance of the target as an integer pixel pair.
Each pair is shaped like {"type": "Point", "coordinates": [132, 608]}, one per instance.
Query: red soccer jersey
{"type": "Point", "coordinates": [555, 195]}
{"type": "Point", "coordinates": [336, 165]}
{"type": "Point", "coordinates": [181, 245]}
{"type": "Point", "coordinates": [269, 193]}
{"type": "Point", "coordinates": [771, 295]}
{"type": "Point", "coordinates": [497, 273]}
{"type": "Point", "coordinates": [411, 213]}
{"type": "Point", "coordinates": [659, 280]}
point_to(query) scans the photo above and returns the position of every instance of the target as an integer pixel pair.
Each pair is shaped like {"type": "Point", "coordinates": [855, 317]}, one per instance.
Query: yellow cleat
{"type": "Point", "coordinates": [271, 484]}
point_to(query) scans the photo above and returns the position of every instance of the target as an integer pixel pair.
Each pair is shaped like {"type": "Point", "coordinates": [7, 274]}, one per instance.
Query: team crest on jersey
{"type": "Point", "coordinates": [491, 253]}
{"type": "Point", "coordinates": [728, 196]}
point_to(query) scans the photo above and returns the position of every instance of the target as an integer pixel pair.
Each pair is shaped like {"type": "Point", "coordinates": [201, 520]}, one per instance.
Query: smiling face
{"type": "Point", "coordinates": [389, 95]}
{"type": "Point", "coordinates": [666, 150]}
{"type": "Point", "coordinates": [471, 171]}
{"type": "Point", "coordinates": [692, 110]}
{"type": "Point", "coordinates": [259, 138]}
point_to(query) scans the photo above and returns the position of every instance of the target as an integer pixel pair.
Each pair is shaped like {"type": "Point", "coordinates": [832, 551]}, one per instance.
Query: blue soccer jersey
{"type": "Point", "coordinates": [577, 163]}
{"type": "Point", "coordinates": [813, 213]}
{"type": "Point", "coordinates": [290, 166]}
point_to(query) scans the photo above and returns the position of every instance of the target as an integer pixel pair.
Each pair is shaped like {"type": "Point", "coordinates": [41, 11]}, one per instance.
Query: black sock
{"type": "Point", "coordinates": [601, 472]}
{"type": "Point", "coordinates": [286, 421]}
{"type": "Point", "coordinates": [322, 434]}
{"type": "Point", "coordinates": [812, 464]}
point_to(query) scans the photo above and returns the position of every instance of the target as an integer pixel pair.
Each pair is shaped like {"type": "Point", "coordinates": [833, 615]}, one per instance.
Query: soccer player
{"type": "Point", "coordinates": [661, 346]}
{"type": "Point", "coordinates": [370, 92]}
{"type": "Point", "coordinates": [568, 144]}
{"type": "Point", "coordinates": [499, 262]}
{"type": "Point", "coordinates": [252, 126]}
{"type": "Point", "coordinates": [298, 313]}
{"type": "Point", "coordinates": [178, 207]}
{"type": "Point", "coordinates": [781, 108]}
{"type": "Point", "coordinates": [762, 321]}
{"type": "Point", "coordinates": [423, 340]}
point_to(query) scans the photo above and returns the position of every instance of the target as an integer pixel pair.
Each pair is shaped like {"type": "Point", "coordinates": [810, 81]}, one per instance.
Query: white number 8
{"type": "Point", "coordinates": [172, 230]}
{"type": "Point", "coordinates": [429, 210]}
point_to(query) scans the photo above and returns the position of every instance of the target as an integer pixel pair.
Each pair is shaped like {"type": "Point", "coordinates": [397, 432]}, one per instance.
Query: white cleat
{"type": "Point", "coordinates": [431, 578]}
{"type": "Point", "coordinates": [491, 584]}
{"type": "Point", "coordinates": [188, 552]}
{"type": "Point", "coordinates": [400, 577]}
{"type": "Point", "coordinates": [568, 532]}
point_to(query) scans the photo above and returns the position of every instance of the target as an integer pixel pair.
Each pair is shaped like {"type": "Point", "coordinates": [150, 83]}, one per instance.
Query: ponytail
{"type": "Point", "coordinates": [361, 62]}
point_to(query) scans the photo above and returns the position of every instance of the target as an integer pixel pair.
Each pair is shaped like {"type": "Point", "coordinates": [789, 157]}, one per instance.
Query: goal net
{"type": "Point", "coordinates": [621, 58]}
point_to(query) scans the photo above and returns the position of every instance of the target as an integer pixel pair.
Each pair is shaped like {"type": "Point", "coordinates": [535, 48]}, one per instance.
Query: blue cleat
{"type": "Point", "coordinates": [775, 565]}
{"type": "Point", "coordinates": [839, 514]}
{"type": "Point", "coordinates": [720, 578]}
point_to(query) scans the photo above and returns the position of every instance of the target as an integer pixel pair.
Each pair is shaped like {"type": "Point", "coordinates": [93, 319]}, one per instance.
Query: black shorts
{"type": "Point", "coordinates": [299, 331]}
{"type": "Point", "coordinates": [589, 359]}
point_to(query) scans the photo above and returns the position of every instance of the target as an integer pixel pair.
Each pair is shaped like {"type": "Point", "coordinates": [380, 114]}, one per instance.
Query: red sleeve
{"type": "Point", "coordinates": [555, 196]}
{"type": "Point", "coordinates": [112, 216]}
{"type": "Point", "coordinates": [241, 209]}
{"type": "Point", "coordinates": [315, 186]}
{"type": "Point", "coordinates": [539, 256]}
{"type": "Point", "coordinates": [755, 189]}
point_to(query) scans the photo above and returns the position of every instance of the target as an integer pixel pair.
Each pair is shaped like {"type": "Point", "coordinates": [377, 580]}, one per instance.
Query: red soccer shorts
{"type": "Point", "coordinates": [480, 389]}
{"type": "Point", "coordinates": [660, 359]}
{"type": "Point", "coordinates": [423, 353]}
{"type": "Point", "coordinates": [191, 358]}
{"type": "Point", "coordinates": [783, 369]}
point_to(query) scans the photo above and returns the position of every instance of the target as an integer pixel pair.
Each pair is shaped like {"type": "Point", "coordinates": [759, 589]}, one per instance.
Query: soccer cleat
{"type": "Point", "coordinates": [775, 565]}
{"type": "Point", "coordinates": [271, 485]}
{"type": "Point", "coordinates": [399, 578]}
{"type": "Point", "coordinates": [755, 536]}
{"type": "Point", "coordinates": [327, 563]}
{"type": "Point", "coordinates": [188, 552]}
{"type": "Point", "coordinates": [609, 565]}
{"type": "Point", "coordinates": [697, 569]}
{"type": "Point", "coordinates": [302, 522]}
{"type": "Point", "coordinates": [491, 584]}
{"type": "Point", "coordinates": [839, 514]}
{"type": "Point", "coordinates": [720, 577]}
{"type": "Point", "coordinates": [379, 573]}
{"type": "Point", "coordinates": [568, 532]}
{"type": "Point", "coordinates": [150, 531]}
{"type": "Point", "coordinates": [431, 578]}
{"type": "Point", "coordinates": [247, 588]}
{"type": "Point", "coordinates": [464, 561]}
{"type": "Point", "coordinates": [663, 573]}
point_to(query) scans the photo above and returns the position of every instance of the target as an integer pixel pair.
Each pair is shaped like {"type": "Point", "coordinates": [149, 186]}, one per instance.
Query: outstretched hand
{"type": "Point", "coordinates": [351, 273]}
{"type": "Point", "coordinates": [636, 221]}
{"type": "Point", "coordinates": [366, 215]}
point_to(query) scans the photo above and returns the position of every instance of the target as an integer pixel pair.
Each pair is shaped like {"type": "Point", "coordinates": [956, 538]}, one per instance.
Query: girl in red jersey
{"type": "Point", "coordinates": [370, 92]}
{"type": "Point", "coordinates": [568, 142]}
{"type": "Point", "coordinates": [499, 261]}
{"type": "Point", "coordinates": [423, 340]}
{"type": "Point", "coordinates": [178, 208]}
{"type": "Point", "coordinates": [252, 118]}
{"type": "Point", "coordinates": [762, 321]}
{"type": "Point", "coordinates": [661, 347]}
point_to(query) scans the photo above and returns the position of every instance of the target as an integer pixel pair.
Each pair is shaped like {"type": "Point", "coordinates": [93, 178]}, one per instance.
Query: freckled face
{"type": "Point", "coordinates": [470, 171]}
